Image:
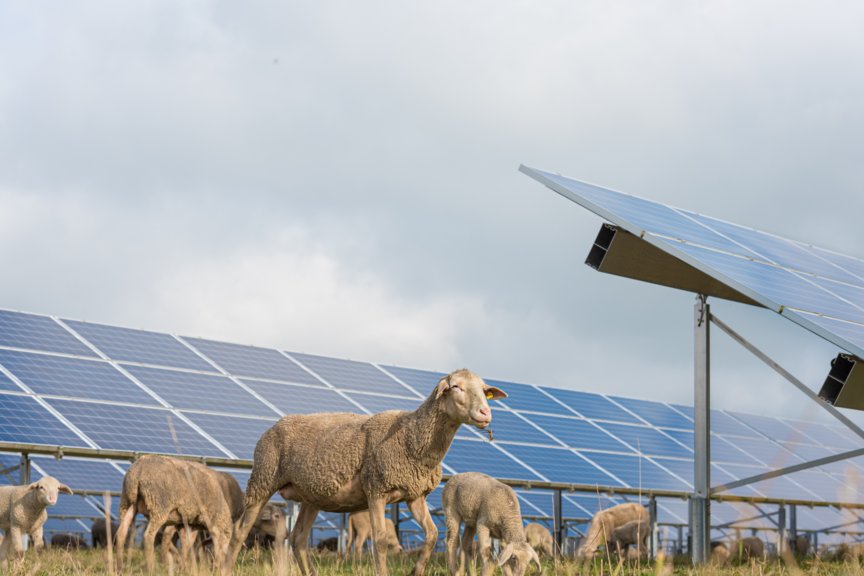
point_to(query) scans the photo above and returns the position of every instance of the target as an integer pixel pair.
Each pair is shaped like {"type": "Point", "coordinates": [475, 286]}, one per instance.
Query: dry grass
{"type": "Point", "coordinates": [91, 562]}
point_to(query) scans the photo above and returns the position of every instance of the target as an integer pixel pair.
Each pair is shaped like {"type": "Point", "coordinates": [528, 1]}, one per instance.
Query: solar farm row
{"type": "Point", "coordinates": [71, 383]}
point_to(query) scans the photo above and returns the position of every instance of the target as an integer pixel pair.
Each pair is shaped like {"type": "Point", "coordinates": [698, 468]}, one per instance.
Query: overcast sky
{"type": "Point", "coordinates": [340, 178]}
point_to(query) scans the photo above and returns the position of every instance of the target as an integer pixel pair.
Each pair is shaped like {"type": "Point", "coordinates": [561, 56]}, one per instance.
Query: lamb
{"type": "Point", "coordinates": [603, 525]}
{"type": "Point", "coordinates": [491, 509]}
{"type": "Point", "coordinates": [635, 532]}
{"type": "Point", "coordinates": [171, 491]}
{"type": "Point", "coordinates": [719, 553]}
{"type": "Point", "coordinates": [23, 511]}
{"type": "Point", "coordinates": [269, 529]}
{"type": "Point", "coordinates": [749, 548]}
{"type": "Point", "coordinates": [799, 546]}
{"type": "Point", "coordinates": [341, 462]}
{"type": "Point", "coordinates": [540, 538]}
{"type": "Point", "coordinates": [68, 541]}
{"type": "Point", "coordinates": [360, 530]}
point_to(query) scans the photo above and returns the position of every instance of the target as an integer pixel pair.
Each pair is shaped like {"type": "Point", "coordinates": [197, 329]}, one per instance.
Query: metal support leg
{"type": "Point", "coordinates": [652, 528]}
{"type": "Point", "coordinates": [680, 548]}
{"type": "Point", "coordinates": [24, 479]}
{"type": "Point", "coordinates": [782, 544]}
{"type": "Point", "coordinates": [558, 520]}
{"type": "Point", "coordinates": [793, 528]}
{"type": "Point", "coordinates": [700, 503]}
{"type": "Point", "coordinates": [343, 533]}
{"type": "Point", "coordinates": [394, 516]}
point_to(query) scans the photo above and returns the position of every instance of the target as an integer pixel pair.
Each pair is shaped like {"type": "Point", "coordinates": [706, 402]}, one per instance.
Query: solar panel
{"type": "Point", "coordinates": [523, 397]}
{"type": "Point", "coordinates": [421, 381]}
{"type": "Point", "coordinates": [721, 450]}
{"type": "Point", "coordinates": [561, 465]}
{"type": "Point", "coordinates": [468, 456]}
{"type": "Point", "coordinates": [577, 433]}
{"type": "Point", "coordinates": [647, 440]}
{"type": "Point", "coordinates": [7, 384]}
{"type": "Point", "coordinates": [239, 435]}
{"type": "Point", "coordinates": [193, 391]}
{"type": "Point", "coordinates": [796, 280]}
{"type": "Point", "coordinates": [352, 375]}
{"type": "Point", "coordinates": [591, 406]}
{"type": "Point", "coordinates": [32, 332]}
{"type": "Point", "coordinates": [292, 399]}
{"type": "Point", "coordinates": [378, 403]}
{"type": "Point", "coordinates": [637, 472]}
{"type": "Point", "coordinates": [134, 428]}
{"type": "Point", "coordinates": [80, 474]}
{"type": "Point", "coordinates": [25, 420]}
{"type": "Point", "coordinates": [655, 413]}
{"type": "Point", "coordinates": [508, 427]}
{"type": "Point", "coordinates": [128, 345]}
{"type": "Point", "coordinates": [73, 377]}
{"type": "Point", "coordinates": [253, 362]}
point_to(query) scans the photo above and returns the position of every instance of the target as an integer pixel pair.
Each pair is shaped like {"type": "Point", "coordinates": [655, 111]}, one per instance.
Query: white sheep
{"type": "Point", "coordinates": [23, 511]}
{"type": "Point", "coordinates": [603, 525]}
{"type": "Point", "coordinates": [360, 530]}
{"type": "Point", "coordinates": [174, 492]}
{"type": "Point", "coordinates": [540, 538]}
{"type": "Point", "coordinates": [339, 462]}
{"type": "Point", "coordinates": [491, 510]}
{"type": "Point", "coordinates": [635, 532]}
{"type": "Point", "coordinates": [749, 548]}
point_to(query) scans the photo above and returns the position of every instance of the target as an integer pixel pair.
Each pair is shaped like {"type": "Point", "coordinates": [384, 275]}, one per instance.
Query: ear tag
{"type": "Point", "coordinates": [489, 396]}
{"type": "Point", "coordinates": [491, 437]}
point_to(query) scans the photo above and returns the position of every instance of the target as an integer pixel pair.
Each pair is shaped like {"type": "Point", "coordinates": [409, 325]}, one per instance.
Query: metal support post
{"type": "Point", "coordinates": [558, 520]}
{"type": "Point", "coordinates": [793, 527]}
{"type": "Point", "coordinates": [680, 548]}
{"type": "Point", "coordinates": [24, 479]}
{"type": "Point", "coordinates": [700, 502]}
{"type": "Point", "coordinates": [394, 516]}
{"type": "Point", "coordinates": [653, 532]}
{"type": "Point", "coordinates": [782, 544]}
{"type": "Point", "coordinates": [342, 545]}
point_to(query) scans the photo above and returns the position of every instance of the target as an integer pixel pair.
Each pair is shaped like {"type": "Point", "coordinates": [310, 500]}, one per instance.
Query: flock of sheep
{"type": "Point", "coordinates": [336, 462]}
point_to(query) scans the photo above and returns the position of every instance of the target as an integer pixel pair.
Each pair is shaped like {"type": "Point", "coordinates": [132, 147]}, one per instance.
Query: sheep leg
{"type": "Point", "coordinates": [467, 554]}
{"type": "Point", "coordinates": [452, 541]}
{"type": "Point", "coordinates": [379, 535]}
{"type": "Point", "coordinates": [167, 548]}
{"type": "Point", "coordinates": [37, 539]}
{"type": "Point", "coordinates": [153, 527]}
{"type": "Point", "coordinates": [484, 540]}
{"type": "Point", "coordinates": [421, 514]}
{"type": "Point", "coordinates": [127, 516]}
{"type": "Point", "coordinates": [242, 528]}
{"type": "Point", "coordinates": [300, 537]}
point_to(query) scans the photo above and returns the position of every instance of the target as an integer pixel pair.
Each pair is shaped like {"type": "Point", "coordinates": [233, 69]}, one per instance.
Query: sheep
{"type": "Point", "coordinates": [749, 548]}
{"type": "Point", "coordinates": [635, 532]}
{"type": "Point", "coordinates": [604, 523]}
{"type": "Point", "coordinates": [171, 491]}
{"type": "Point", "coordinates": [328, 545]}
{"type": "Point", "coordinates": [23, 511]}
{"type": "Point", "coordinates": [540, 538]}
{"type": "Point", "coordinates": [799, 546]}
{"type": "Point", "coordinates": [719, 553]}
{"type": "Point", "coordinates": [68, 540]}
{"type": "Point", "coordinates": [341, 462]}
{"type": "Point", "coordinates": [270, 527]}
{"type": "Point", "coordinates": [360, 530]}
{"type": "Point", "coordinates": [490, 509]}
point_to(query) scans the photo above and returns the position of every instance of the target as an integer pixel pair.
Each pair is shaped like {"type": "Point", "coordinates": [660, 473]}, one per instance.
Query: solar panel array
{"type": "Point", "coordinates": [818, 289]}
{"type": "Point", "coordinates": [70, 383]}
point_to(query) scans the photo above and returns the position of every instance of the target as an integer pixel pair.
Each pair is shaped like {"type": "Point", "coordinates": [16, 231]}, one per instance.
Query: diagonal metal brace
{"type": "Point", "coordinates": [787, 470]}
{"type": "Point", "coordinates": [782, 371]}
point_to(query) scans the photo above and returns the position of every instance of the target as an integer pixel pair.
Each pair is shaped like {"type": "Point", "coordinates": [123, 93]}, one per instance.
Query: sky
{"type": "Point", "coordinates": [341, 178]}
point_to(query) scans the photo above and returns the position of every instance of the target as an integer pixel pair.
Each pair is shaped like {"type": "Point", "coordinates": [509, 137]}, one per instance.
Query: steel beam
{"type": "Point", "coordinates": [558, 520]}
{"type": "Point", "coordinates": [700, 503]}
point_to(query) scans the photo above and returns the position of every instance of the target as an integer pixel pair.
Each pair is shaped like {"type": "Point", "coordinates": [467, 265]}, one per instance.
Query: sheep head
{"type": "Point", "coordinates": [465, 398]}
{"type": "Point", "coordinates": [518, 557]}
{"type": "Point", "coordinates": [47, 490]}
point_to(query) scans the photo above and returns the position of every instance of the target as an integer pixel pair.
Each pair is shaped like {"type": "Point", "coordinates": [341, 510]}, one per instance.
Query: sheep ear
{"type": "Point", "coordinates": [33, 486]}
{"type": "Point", "coordinates": [505, 555]}
{"type": "Point", "coordinates": [493, 393]}
{"type": "Point", "coordinates": [65, 489]}
{"type": "Point", "coordinates": [443, 386]}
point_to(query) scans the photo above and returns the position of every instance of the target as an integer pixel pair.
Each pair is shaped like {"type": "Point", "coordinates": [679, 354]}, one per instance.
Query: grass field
{"type": "Point", "coordinates": [87, 562]}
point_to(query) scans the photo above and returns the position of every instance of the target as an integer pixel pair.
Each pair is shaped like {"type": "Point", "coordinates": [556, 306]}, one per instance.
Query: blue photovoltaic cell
{"type": "Point", "coordinates": [767, 452]}
{"type": "Point", "coordinates": [132, 428]}
{"type": "Point", "coordinates": [524, 397]}
{"type": "Point", "coordinates": [7, 462]}
{"type": "Point", "coordinates": [421, 381]}
{"type": "Point", "coordinates": [352, 375]}
{"type": "Point", "coordinates": [722, 423]}
{"type": "Point", "coordinates": [578, 433]}
{"type": "Point", "coordinates": [637, 472]}
{"type": "Point", "coordinates": [854, 266]}
{"type": "Point", "coordinates": [292, 399]}
{"type": "Point", "coordinates": [536, 502]}
{"type": "Point", "coordinates": [470, 456]}
{"type": "Point", "coordinates": [55, 526]}
{"type": "Point", "coordinates": [593, 503]}
{"type": "Point", "coordinates": [71, 505]}
{"type": "Point", "coordinates": [851, 332]}
{"type": "Point", "coordinates": [647, 440]}
{"type": "Point", "coordinates": [126, 344]}
{"type": "Point", "coordinates": [26, 421]}
{"type": "Point", "coordinates": [773, 428]}
{"type": "Point", "coordinates": [20, 330]}
{"type": "Point", "coordinates": [7, 384]}
{"type": "Point", "coordinates": [720, 476]}
{"type": "Point", "coordinates": [81, 474]}
{"type": "Point", "coordinates": [59, 376]}
{"type": "Point", "coordinates": [592, 406]}
{"type": "Point", "coordinates": [655, 413]}
{"type": "Point", "coordinates": [375, 403]}
{"type": "Point", "coordinates": [509, 427]}
{"type": "Point", "coordinates": [823, 435]}
{"type": "Point", "coordinates": [780, 487]}
{"type": "Point", "coordinates": [252, 361]}
{"type": "Point", "coordinates": [721, 450]}
{"type": "Point", "coordinates": [561, 465]}
{"type": "Point", "coordinates": [681, 468]}
{"type": "Point", "coordinates": [239, 435]}
{"type": "Point", "coordinates": [192, 391]}
{"type": "Point", "coordinates": [824, 485]}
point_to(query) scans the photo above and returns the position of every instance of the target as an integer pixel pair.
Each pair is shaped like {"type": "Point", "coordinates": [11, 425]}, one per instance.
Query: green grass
{"type": "Point", "coordinates": [93, 562]}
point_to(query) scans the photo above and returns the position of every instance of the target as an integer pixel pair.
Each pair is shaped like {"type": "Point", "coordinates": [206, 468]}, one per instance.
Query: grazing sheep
{"type": "Point", "coordinates": [270, 528]}
{"type": "Point", "coordinates": [360, 530]}
{"type": "Point", "coordinates": [635, 532]}
{"type": "Point", "coordinates": [603, 525]}
{"type": "Point", "coordinates": [340, 462]}
{"type": "Point", "coordinates": [749, 548]}
{"type": "Point", "coordinates": [174, 492]}
{"type": "Point", "coordinates": [799, 546]}
{"type": "Point", "coordinates": [98, 534]}
{"type": "Point", "coordinates": [719, 553]}
{"type": "Point", "coordinates": [491, 510]}
{"type": "Point", "coordinates": [68, 540]}
{"type": "Point", "coordinates": [540, 538]}
{"type": "Point", "coordinates": [328, 545]}
{"type": "Point", "coordinates": [23, 511]}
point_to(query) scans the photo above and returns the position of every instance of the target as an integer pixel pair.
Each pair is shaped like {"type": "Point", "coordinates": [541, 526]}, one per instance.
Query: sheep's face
{"type": "Point", "coordinates": [47, 490]}
{"type": "Point", "coordinates": [517, 557]}
{"type": "Point", "coordinates": [465, 396]}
